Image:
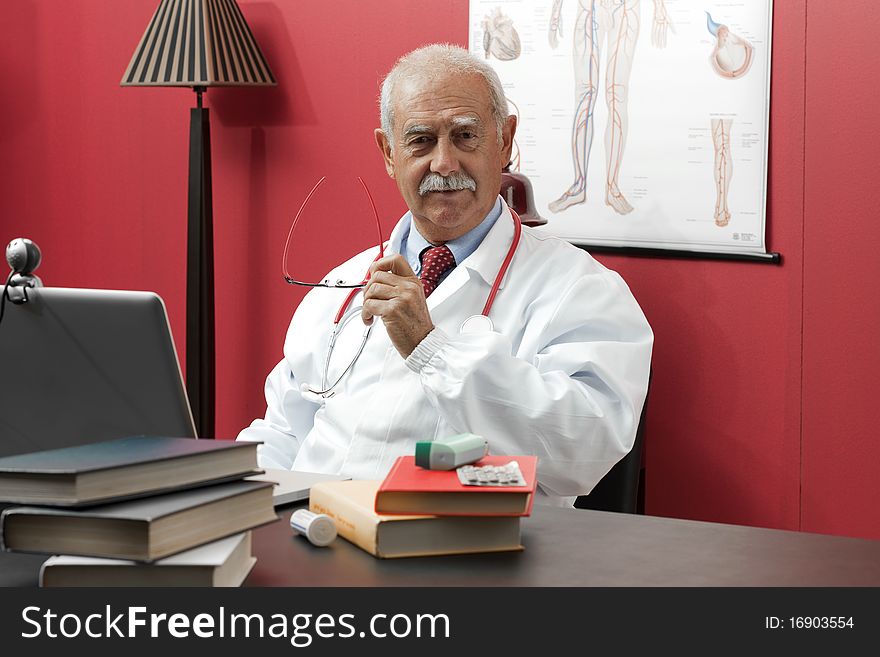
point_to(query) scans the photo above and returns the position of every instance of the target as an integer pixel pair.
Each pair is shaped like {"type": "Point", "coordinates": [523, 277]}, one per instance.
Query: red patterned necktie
{"type": "Point", "coordinates": [436, 261]}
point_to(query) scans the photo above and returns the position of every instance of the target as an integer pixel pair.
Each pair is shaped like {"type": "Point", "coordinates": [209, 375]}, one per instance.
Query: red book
{"type": "Point", "coordinates": [409, 489]}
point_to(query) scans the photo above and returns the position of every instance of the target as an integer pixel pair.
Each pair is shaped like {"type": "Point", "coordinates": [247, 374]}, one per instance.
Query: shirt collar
{"type": "Point", "coordinates": [412, 243]}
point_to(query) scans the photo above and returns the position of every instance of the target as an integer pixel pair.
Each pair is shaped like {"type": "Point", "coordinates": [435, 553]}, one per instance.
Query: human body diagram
{"type": "Point", "coordinates": [606, 29]}
{"type": "Point", "coordinates": [643, 123]}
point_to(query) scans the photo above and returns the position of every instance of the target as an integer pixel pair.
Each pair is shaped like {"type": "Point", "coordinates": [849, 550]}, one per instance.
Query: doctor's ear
{"type": "Point", "coordinates": [384, 145]}
{"type": "Point", "coordinates": [508, 131]}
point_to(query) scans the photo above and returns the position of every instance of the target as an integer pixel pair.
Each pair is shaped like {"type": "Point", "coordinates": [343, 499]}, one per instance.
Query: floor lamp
{"type": "Point", "coordinates": [199, 44]}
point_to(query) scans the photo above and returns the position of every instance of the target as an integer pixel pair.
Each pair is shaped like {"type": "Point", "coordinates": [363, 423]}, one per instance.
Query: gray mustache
{"type": "Point", "coordinates": [434, 182]}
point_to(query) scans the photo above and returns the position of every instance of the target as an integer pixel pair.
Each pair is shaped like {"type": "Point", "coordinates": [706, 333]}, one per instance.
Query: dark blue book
{"type": "Point", "coordinates": [142, 529]}
{"type": "Point", "coordinates": [123, 468]}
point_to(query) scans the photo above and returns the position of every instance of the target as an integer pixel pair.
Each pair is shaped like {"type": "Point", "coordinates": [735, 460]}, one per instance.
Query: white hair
{"type": "Point", "coordinates": [435, 59]}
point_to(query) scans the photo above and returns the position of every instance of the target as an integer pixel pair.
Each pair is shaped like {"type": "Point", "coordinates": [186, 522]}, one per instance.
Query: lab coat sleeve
{"type": "Point", "coordinates": [573, 398]}
{"type": "Point", "coordinates": [280, 442]}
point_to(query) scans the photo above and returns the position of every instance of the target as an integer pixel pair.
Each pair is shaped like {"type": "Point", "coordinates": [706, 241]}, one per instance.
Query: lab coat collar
{"type": "Point", "coordinates": [490, 254]}
{"type": "Point", "coordinates": [485, 262]}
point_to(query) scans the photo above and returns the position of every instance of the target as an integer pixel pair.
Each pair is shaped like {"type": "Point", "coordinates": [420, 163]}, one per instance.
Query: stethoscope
{"type": "Point", "coordinates": [474, 324]}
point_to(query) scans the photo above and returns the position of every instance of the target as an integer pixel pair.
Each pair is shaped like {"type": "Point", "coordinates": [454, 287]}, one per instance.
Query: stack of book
{"type": "Point", "coordinates": [419, 512]}
{"type": "Point", "coordinates": [136, 511]}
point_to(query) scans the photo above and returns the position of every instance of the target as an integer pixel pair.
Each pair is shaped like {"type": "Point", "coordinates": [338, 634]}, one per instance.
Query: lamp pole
{"type": "Point", "coordinates": [199, 44]}
{"type": "Point", "coordinates": [200, 376]}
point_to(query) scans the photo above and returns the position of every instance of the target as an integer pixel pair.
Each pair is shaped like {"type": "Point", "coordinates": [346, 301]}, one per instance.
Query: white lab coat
{"type": "Point", "coordinates": [563, 375]}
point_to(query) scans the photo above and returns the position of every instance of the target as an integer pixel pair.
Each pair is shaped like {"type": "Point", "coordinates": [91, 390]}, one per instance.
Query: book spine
{"type": "Point", "coordinates": [3, 515]}
{"type": "Point", "coordinates": [353, 523]}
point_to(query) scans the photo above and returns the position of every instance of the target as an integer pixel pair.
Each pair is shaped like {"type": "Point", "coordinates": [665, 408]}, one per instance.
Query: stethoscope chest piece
{"type": "Point", "coordinates": [477, 324]}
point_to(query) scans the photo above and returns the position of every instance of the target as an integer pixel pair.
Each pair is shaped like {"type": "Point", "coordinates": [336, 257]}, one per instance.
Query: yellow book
{"type": "Point", "coordinates": [351, 504]}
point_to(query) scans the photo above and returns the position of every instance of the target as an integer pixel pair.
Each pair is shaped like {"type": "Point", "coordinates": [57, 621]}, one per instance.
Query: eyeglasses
{"type": "Point", "coordinates": [309, 281]}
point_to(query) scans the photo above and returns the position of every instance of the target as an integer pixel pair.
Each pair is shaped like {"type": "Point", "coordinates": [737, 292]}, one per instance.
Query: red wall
{"type": "Point", "coordinates": [841, 357]}
{"type": "Point", "coordinates": [763, 375]}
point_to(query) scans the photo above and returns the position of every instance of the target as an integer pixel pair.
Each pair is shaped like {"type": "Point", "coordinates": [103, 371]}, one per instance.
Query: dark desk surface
{"type": "Point", "coordinates": [568, 547]}
{"type": "Point", "coordinates": [564, 548]}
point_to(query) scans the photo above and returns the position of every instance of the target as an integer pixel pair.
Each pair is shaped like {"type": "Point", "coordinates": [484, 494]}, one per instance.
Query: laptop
{"type": "Point", "coordinates": [82, 365]}
{"type": "Point", "coordinates": [292, 485]}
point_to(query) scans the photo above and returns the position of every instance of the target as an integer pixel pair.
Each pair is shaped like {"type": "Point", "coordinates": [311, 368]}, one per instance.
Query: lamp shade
{"type": "Point", "coordinates": [198, 43]}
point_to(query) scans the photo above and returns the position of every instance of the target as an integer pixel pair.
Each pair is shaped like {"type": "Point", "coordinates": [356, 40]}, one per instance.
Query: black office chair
{"type": "Point", "coordinates": [620, 489]}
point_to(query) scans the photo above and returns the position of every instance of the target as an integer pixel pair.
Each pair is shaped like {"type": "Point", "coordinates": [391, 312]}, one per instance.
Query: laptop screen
{"type": "Point", "coordinates": [82, 365]}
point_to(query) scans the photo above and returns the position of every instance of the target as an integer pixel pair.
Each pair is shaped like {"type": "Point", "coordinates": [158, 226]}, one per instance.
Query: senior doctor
{"type": "Point", "coordinates": [559, 369]}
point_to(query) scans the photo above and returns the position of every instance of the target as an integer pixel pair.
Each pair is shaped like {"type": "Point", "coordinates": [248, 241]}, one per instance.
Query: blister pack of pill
{"type": "Point", "coordinates": [491, 475]}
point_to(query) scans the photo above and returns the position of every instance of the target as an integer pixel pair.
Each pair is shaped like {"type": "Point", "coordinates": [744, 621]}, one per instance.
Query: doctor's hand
{"type": "Point", "coordinates": [395, 294]}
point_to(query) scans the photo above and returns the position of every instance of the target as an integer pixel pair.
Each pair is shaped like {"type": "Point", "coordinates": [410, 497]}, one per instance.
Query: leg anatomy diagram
{"type": "Point", "coordinates": [608, 28]}
{"type": "Point", "coordinates": [723, 168]}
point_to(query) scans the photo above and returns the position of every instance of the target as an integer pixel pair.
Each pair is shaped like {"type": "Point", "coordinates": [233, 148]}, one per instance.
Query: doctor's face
{"type": "Point", "coordinates": [446, 157]}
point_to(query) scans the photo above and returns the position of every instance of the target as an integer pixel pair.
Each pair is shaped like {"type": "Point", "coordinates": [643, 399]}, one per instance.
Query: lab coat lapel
{"type": "Point", "coordinates": [485, 262]}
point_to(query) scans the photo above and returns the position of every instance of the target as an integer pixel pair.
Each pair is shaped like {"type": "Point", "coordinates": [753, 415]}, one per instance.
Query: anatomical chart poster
{"type": "Point", "coordinates": [642, 123]}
